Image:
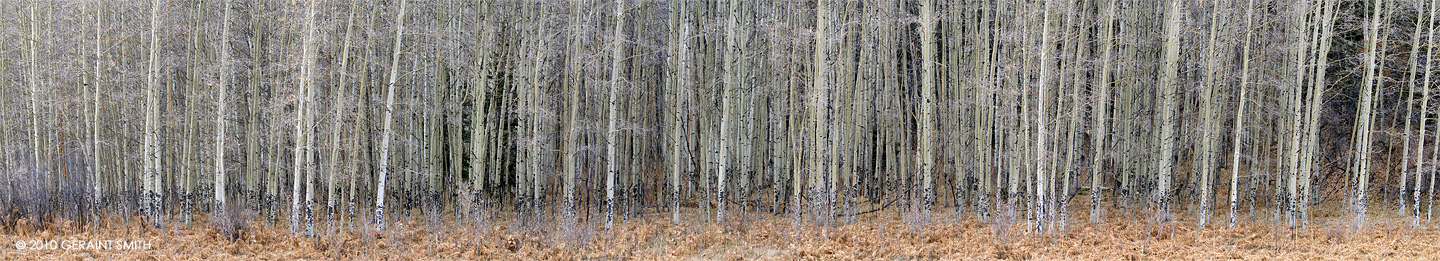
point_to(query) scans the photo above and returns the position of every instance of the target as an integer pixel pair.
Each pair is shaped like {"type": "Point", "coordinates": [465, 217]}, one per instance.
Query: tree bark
{"type": "Point", "coordinates": [220, 111]}
{"type": "Point", "coordinates": [1239, 128]}
{"type": "Point", "coordinates": [927, 104]}
{"type": "Point", "coordinates": [153, 190]}
{"type": "Point", "coordinates": [1360, 166]}
{"type": "Point", "coordinates": [1168, 97]}
{"type": "Point", "coordinates": [1424, 106]}
{"type": "Point", "coordinates": [338, 121]}
{"type": "Point", "coordinates": [389, 110]}
{"type": "Point", "coordinates": [1209, 121]}
{"type": "Point", "coordinates": [615, 60]}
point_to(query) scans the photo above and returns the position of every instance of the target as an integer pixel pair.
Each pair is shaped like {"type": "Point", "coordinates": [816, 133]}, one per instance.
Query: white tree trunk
{"type": "Point", "coordinates": [1363, 124]}
{"type": "Point", "coordinates": [338, 121]}
{"type": "Point", "coordinates": [1239, 128]}
{"type": "Point", "coordinates": [615, 55]}
{"type": "Point", "coordinates": [303, 129]}
{"type": "Point", "coordinates": [1424, 106]}
{"type": "Point", "coordinates": [220, 111]}
{"type": "Point", "coordinates": [1207, 157]}
{"type": "Point", "coordinates": [927, 104]}
{"type": "Point", "coordinates": [389, 110]}
{"type": "Point", "coordinates": [1168, 98]}
{"type": "Point", "coordinates": [151, 198]}
{"type": "Point", "coordinates": [732, 58]}
{"type": "Point", "coordinates": [1099, 111]}
{"type": "Point", "coordinates": [95, 177]}
{"type": "Point", "coordinates": [682, 76]}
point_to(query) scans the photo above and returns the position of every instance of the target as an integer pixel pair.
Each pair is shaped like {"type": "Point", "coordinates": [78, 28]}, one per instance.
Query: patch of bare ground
{"type": "Point", "coordinates": [879, 235]}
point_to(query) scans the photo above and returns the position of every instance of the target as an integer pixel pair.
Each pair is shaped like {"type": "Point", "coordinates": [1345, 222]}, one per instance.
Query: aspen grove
{"type": "Point", "coordinates": [333, 116]}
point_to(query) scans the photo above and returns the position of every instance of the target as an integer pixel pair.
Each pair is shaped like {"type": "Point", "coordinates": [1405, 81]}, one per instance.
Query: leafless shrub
{"type": "Point", "coordinates": [233, 220]}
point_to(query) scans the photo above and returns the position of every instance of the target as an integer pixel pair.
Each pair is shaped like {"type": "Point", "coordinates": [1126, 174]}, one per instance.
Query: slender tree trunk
{"type": "Point", "coordinates": [34, 81]}
{"type": "Point", "coordinates": [153, 190]}
{"type": "Point", "coordinates": [1239, 128]}
{"type": "Point", "coordinates": [1424, 106]}
{"type": "Point", "coordinates": [1409, 105]}
{"type": "Point", "coordinates": [1099, 112]}
{"type": "Point", "coordinates": [536, 179]}
{"type": "Point", "coordinates": [1298, 31]}
{"type": "Point", "coordinates": [1361, 166]}
{"type": "Point", "coordinates": [1041, 155]}
{"type": "Point", "coordinates": [1207, 157]}
{"type": "Point", "coordinates": [1316, 95]}
{"type": "Point", "coordinates": [95, 170]}
{"type": "Point", "coordinates": [927, 103]}
{"type": "Point", "coordinates": [10, 168]}
{"type": "Point", "coordinates": [253, 147]}
{"type": "Point", "coordinates": [1168, 97]}
{"type": "Point", "coordinates": [682, 76]}
{"type": "Point", "coordinates": [479, 119]}
{"type": "Point", "coordinates": [389, 110]}
{"type": "Point", "coordinates": [819, 98]}
{"type": "Point", "coordinates": [338, 122]}
{"type": "Point", "coordinates": [305, 126]}
{"type": "Point", "coordinates": [573, 60]}
{"type": "Point", "coordinates": [220, 111]}
{"type": "Point", "coordinates": [616, 59]}
{"type": "Point", "coordinates": [732, 57]}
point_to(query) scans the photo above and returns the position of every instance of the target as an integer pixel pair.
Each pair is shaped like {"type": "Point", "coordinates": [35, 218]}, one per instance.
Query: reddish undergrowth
{"type": "Point", "coordinates": [879, 235]}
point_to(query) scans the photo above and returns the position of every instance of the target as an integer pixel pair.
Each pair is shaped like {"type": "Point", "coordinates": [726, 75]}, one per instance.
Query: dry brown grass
{"type": "Point", "coordinates": [881, 235]}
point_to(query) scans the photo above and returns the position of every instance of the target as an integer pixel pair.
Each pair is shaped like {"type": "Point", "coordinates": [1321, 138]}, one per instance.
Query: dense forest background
{"type": "Point", "coordinates": [592, 112]}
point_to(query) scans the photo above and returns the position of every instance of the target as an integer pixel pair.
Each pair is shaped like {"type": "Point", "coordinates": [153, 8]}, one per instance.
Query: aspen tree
{"type": "Point", "coordinates": [1409, 104]}
{"type": "Point", "coordinates": [1424, 106]}
{"type": "Point", "coordinates": [339, 118]}
{"type": "Point", "coordinates": [33, 81]}
{"type": "Point", "coordinates": [1077, 56]}
{"type": "Point", "coordinates": [1239, 128]}
{"type": "Point", "coordinates": [4, 138]}
{"type": "Point", "coordinates": [777, 164]}
{"type": "Point", "coordinates": [95, 176]}
{"type": "Point", "coordinates": [616, 59]}
{"type": "Point", "coordinates": [818, 97]}
{"type": "Point", "coordinates": [732, 58]}
{"type": "Point", "coordinates": [796, 144]}
{"type": "Point", "coordinates": [220, 111]}
{"type": "Point", "coordinates": [837, 119]}
{"type": "Point", "coordinates": [1168, 97]}
{"type": "Point", "coordinates": [188, 176]}
{"type": "Point", "coordinates": [1316, 93]}
{"type": "Point", "coordinates": [1299, 32]}
{"type": "Point", "coordinates": [253, 147]}
{"type": "Point", "coordinates": [985, 114]}
{"type": "Point", "coordinates": [273, 179]}
{"type": "Point", "coordinates": [1360, 165]}
{"type": "Point", "coordinates": [679, 16]}
{"type": "Point", "coordinates": [749, 167]}
{"type": "Point", "coordinates": [153, 189]}
{"type": "Point", "coordinates": [389, 110]}
{"type": "Point", "coordinates": [305, 126]}
{"type": "Point", "coordinates": [1207, 157]}
{"type": "Point", "coordinates": [452, 121]}
{"type": "Point", "coordinates": [362, 124]}
{"type": "Point", "coordinates": [1100, 107]}
{"type": "Point", "coordinates": [5, 150]}
{"type": "Point", "coordinates": [480, 120]}
{"type": "Point", "coordinates": [535, 179]}
{"type": "Point", "coordinates": [574, 61]}
{"type": "Point", "coordinates": [927, 103]}
{"type": "Point", "coordinates": [1041, 155]}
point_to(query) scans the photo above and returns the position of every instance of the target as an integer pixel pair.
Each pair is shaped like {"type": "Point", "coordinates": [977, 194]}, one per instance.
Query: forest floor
{"type": "Point", "coordinates": [877, 235]}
